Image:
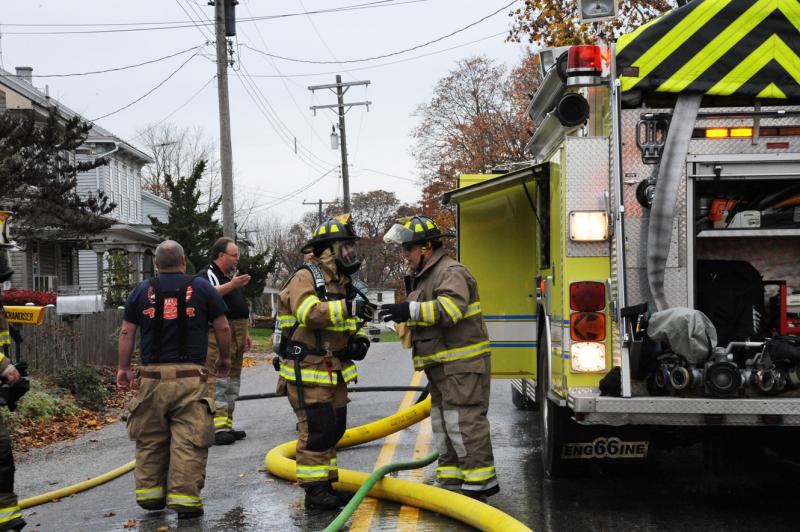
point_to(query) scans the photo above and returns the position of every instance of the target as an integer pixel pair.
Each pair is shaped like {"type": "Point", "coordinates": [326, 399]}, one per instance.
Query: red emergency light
{"type": "Point", "coordinates": [588, 60]}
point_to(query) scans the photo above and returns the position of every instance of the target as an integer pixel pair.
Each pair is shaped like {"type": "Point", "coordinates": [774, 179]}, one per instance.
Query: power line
{"type": "Point", "coordinates": [283, 81]}
{"type": "Point", "coordinates": [146, 94]}
{"type": "Point", "coordinates": [277, 119]}
{"type": "Point", "coordinates": [389, 63]}
{"type": "Point", "coordinates": [388, 174]}
{"type": "Point", "coordinates": [391, 54]}
{"type": "Point", "coordinates": [208, 36]}
{"type": "Point", "coordinates": [280, 127]}
{"type": "Point", "coordinates": [181, 106]}
{"type": "Point", "coordinates": [181, 24]}
{"type": "Point", "coordinates": [290, 195]}
{"type": "Point", "coordinates": [252, 92]}
{"type": "Point", "coordinates": [116, 69]}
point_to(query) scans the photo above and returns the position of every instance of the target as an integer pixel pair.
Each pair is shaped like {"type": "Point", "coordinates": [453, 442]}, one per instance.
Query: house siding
{"type": "Point", "coordinates": [156, 210]}
{"type": "Point", "coordinates": [87, 270]}
{"type": "Point", "coordinates": [22, 273]}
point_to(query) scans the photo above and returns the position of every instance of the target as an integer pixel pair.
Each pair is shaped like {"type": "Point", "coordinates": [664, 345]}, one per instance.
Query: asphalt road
{"type": "Point", "coordinates": [675, 491]}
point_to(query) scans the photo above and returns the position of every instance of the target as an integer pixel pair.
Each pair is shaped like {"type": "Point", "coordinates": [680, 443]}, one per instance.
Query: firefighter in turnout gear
{"type": "Point", "coordinates": [10, 514]}
{"type": "Point", "coordinates": [171, 417]}
{"type": "Point", "coordinates": [320, 315]}
{"type": "Point", "coordinates": [450, 343]}
{"type": "Point", "coordinates": [222, 274]}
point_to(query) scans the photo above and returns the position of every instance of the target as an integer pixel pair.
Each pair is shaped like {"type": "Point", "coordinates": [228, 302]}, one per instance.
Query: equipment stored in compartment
{"type": "Point", "coordinates": [731, 294]}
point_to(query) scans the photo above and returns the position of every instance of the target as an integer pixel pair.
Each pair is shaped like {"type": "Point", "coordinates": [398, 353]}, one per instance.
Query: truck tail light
{"type": "Point", "coordinates": [587, 357]}
{"type": "Point", "coordinates": [588, 60]}
{"type": "Point", "coordinates": [588, 226]}
{"type": "Point", "coordinates": [587, 326]}
{"type": "Point", "coordinates": [587, 296]}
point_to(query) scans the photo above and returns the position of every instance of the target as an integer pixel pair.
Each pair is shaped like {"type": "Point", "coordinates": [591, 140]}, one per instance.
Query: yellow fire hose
{"type": "Point", "coordinates": [76, 488]}
{"type": "Point", "coordinates": [279, 461]}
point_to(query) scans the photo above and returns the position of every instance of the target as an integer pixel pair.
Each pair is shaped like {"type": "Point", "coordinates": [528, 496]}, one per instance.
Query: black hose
{"type": "Point", "coordinates": [424, 394]}
{"type": "Point", "coordinates": [423, 389]}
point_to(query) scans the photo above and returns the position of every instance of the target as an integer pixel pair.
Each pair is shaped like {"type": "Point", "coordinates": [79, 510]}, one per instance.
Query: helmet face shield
{"type": "Point", "coordinates": [398, 234]}
{"type": "Point", "coordinates": [346, 257]}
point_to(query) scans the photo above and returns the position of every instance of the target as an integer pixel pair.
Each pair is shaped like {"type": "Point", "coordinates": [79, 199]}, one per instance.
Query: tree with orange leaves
{"type": "Point", "coordinates": [555, 22]}
{"type": "Point", "coordinates": [475, 122]}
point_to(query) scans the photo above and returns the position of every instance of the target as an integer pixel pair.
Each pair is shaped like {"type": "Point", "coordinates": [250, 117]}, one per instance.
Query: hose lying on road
{"type": "Point", "coordinates": [279, 461]}
{"type": "Point", "coordinates": [349, 390]}
{"type": "Point", "coordinates": [347, 511]}
{"type": "Point", "coordinates": [51, 496]}
{"type": "Point", "coordinates": [60, 493]}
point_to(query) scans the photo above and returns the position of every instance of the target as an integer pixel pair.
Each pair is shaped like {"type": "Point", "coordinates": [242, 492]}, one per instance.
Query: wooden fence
{"type": "Point", "coordinates": [72, 340]}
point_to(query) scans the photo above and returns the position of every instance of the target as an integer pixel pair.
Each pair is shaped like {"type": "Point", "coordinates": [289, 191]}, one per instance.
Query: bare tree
{"type": "Point", "coordinates": [176, 150]}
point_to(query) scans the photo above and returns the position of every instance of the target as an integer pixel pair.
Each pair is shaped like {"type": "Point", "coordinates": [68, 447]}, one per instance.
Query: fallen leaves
{"type": "Point", "coordinates": [31, 433]}
{"type": "Point", "coordinates": [130, 523]}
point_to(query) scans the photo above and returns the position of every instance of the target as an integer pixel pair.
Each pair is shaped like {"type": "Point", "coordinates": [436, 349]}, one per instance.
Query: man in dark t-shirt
{"type": "Point", "coordinates": [171, 418]}
{"type": "Point", "coordinates": [222, 274]}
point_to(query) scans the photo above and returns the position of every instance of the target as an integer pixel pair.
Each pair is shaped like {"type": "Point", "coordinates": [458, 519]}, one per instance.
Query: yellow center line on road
{"type": "Point", "coordinates": [409, 515]}
{"type": "Point", "coordinates": [366, 510]}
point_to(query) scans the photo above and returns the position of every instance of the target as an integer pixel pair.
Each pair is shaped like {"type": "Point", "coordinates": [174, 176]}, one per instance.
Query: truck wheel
{"type": "Point", "coordinates": [555, 423]}
{"type": "Point", "coordinates": [521, 400]}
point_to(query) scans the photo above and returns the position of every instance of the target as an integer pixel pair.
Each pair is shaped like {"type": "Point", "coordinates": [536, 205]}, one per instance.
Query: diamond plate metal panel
{"type": "Point", "coordinates": [635, 238]}
{"type": "Point", "coordinates": [585, 183]}
{"type": "Point", "coordinates": [675, 286]}
{"type": "Point", "coordinates": [684, 420]}
{"type": "Point", "coordinates": [682, 411]}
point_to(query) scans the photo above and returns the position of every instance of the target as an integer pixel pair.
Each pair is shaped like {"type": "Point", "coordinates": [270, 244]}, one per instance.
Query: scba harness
{"type": "Point", "coordinates": [288, 349]}
{"type": "Point", "coordinates": [172, 305]}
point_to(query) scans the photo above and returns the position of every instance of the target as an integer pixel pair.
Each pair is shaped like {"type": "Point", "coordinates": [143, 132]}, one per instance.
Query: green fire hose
{"type": "Point", "coordinates": [351, 507]}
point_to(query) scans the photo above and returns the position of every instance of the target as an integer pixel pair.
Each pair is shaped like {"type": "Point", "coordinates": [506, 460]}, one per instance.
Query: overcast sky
{"type": "Point", "coordinates": [265, 164]}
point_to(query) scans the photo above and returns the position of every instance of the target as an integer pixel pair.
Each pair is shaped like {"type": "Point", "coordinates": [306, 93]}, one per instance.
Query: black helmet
{"type": "Point", "coordinates": [338, 229]}
{"type": "Point", "coordinates": [414, 230]}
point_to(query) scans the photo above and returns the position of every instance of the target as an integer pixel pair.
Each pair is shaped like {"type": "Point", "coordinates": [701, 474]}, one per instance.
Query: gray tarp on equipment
{"type": "Point", "coordinates": [689, 332]}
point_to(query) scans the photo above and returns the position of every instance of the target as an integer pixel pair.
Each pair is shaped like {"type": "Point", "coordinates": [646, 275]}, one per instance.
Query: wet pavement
{"type": "Point", "coordinates": [674, 491]}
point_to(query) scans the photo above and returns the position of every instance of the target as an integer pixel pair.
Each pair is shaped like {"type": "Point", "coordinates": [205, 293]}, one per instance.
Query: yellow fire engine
{"type": "Point", "coordinates": [662, 167]}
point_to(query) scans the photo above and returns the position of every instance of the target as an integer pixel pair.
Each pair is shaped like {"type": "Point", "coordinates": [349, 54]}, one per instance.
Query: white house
{"type": "Point", "coordinates": [70, 265]}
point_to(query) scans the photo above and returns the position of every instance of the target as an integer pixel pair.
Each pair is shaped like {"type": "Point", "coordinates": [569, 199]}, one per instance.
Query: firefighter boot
{"type": "Point", "coordinates": [343, 496]}
{"type": "Point", "coordinates": [238, 434]}
{"type": "Point", "coordinates": [188, 513]}
{"type": "Point", "coordinates": [224, 437]}
{"type": "Point", "coordinates": [318, 497]}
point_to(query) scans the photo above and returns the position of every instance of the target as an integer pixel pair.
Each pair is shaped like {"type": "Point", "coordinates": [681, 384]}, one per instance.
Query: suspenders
{"type": "Point", "coordinates": [158, 318]}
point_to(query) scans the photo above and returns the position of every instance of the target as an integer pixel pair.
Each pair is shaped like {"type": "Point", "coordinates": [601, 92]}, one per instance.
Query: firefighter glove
{"type": "Point", "coordinates": [357, 347]}
{"type": "Point", "coordinates": [361, 309]}
{"type": "Point", "coordinates": [397, 312]}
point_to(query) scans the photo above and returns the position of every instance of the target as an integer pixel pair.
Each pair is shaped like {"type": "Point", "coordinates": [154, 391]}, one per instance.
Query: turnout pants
{"type": "Point", "coordinates": [10, 514]}
{"type": "Point", "coordinates": [171, 423]}
{"type": "Point", "coordinates": [320, 425]}
{"type": "Point", "coordinates": [459, 403]}
{"type": "Point", "coordinates": [226, 390]}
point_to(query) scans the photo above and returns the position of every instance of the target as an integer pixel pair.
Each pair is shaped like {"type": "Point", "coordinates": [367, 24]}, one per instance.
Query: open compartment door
{"type": "Point", "coordinates": [497, 231]}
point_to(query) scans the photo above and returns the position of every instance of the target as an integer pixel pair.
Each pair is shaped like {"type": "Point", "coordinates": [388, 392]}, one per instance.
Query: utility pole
{"type": "Point", "coordinates": [226, 154]}
{"type": "Point", "coordinates": [341, 108]}
{"type": "Point", "coordinates": [320, 203]}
